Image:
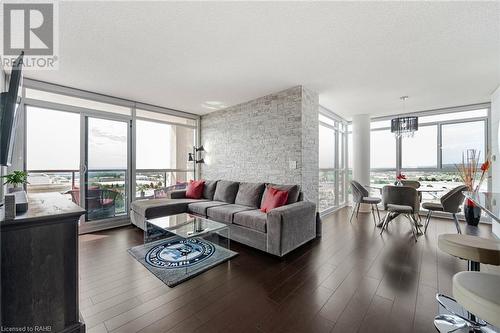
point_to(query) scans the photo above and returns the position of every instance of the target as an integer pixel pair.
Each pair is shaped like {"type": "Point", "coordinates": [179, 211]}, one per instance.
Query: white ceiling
{"type": "Point", "coordinates": [359, 56]}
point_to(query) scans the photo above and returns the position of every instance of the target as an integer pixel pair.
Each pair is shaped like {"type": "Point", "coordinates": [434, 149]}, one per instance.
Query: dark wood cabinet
{"type": "Point", "coordinates": [39, 266]}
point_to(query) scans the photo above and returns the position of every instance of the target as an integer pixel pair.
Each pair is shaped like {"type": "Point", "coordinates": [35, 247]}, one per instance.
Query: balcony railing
{"type": "Point", "coordinates": [149, 180]}
{"type": "Point", "coordinates": [66, 180]}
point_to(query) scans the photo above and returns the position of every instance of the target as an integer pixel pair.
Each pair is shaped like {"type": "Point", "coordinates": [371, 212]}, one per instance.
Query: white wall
{"type": "Point", "coordinates": [495, 149]}
{"type": "Point", "coordinates": [361, 148]}
{"type": "Point", "coordinates": [495, 119]}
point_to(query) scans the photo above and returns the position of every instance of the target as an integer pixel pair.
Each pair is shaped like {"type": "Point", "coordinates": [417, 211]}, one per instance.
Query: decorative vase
{"type": "Point", "coordinates": [472, 213]}
{"type": "Point", "coordinates": [399, 183]}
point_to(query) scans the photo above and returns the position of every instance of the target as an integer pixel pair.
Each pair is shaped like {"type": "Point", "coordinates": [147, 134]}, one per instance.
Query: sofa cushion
{"type": "Point", "coordinates": [253, 219]}
{"type": "Point", "coordinates": [209, 189]}
{"type": "Point", "coordinates": [250, 194]}
{"type": "Point", "coordinates": [195, 189]}
{"type": "Point", "coordinates": [225, 213]}
{"type": "Point", "coordinates": [293, 192]}
{"type": "Point", "coordinates": [200, 208]}
{"type": "Point", "coordinates": [274, 198]}
{"type": "Point", "coordinates": [226, 191]}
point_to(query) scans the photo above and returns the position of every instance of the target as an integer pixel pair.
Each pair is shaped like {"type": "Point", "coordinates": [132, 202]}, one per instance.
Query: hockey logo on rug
{"type": "Point", "coordinates": [176, 260]}
{"type": "Point", "coordinates": [180, 253]}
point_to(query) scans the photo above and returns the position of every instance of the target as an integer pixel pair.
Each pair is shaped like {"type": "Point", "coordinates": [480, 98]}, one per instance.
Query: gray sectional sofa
{"type": "Point", "coordinates": [277, 232]}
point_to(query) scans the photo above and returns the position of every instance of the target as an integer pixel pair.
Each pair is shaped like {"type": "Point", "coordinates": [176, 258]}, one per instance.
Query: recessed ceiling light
{"type": "Point", "coordinates": [209, 107]}
{"type": "Point", "coordinates": [213, 105]}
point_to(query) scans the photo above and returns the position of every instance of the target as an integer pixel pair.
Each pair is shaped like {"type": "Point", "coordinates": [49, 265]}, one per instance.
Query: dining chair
{"type": "Point", "coordinates": [401, 200]}
{"type": "Point", "coordinates": [361, 195]}
{"type": "Point", "coordinates": [449, 203]}
{"type": "Point", "coordinates": [411, 183]}
{"type": "Point", "coordinates": [415, 184]}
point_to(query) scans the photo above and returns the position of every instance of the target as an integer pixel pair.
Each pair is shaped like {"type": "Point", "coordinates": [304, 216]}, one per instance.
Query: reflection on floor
{"type": "Point", "coordinates": [350, 280]}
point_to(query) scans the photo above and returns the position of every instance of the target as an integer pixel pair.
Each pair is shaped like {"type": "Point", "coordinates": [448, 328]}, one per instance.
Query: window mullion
{"type": "Point", "coordinates": [440, 148]}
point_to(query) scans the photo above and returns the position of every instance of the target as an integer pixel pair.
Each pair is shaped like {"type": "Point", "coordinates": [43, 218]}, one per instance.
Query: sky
{"type": "Point", "coordinates": [107, 142]}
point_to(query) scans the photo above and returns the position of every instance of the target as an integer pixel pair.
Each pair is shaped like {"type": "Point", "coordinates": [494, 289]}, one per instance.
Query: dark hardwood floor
{"type": "Point", "coordinates": [350, 280]}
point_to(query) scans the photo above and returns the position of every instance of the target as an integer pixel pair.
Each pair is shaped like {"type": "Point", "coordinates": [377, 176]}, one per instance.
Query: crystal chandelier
{"type": "Point", "coordinates": [404, 126]}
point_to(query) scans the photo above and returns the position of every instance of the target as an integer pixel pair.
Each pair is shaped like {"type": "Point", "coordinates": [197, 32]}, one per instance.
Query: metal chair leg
{"type": "Point", "coordinates": [385, 222]}
{"type": "Point", "coordinates": [455, 218]}
{"type": "Point", "coordinates": [378, 212]}
{"type": "Point", "coordinates": [416, 217]}
{"type": "Point", "coordinates": [353, 210]}
{"type": "Point", "coordinates": [373, 213]}
{"type": "Point", "coordinates": [414, 223]}
{"type": "Point", "coordinates": [427, 220]}
{"type": "Point", "coordinates": [357, 211]}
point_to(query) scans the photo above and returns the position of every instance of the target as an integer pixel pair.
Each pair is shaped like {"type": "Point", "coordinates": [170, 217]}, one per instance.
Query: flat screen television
{"type": "Point", "coordinates": [9, 112]}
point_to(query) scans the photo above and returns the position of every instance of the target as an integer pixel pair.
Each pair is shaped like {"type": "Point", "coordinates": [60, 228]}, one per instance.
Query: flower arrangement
{"type": "Point", "coordinates": [471, 172]}
{"type": "Point", "coordinates": [401, 177]}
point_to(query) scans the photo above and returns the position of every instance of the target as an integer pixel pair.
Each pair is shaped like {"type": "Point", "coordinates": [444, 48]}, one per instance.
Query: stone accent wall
{"type": "Point", "coordinates": [310, 144]}
{"type": "Point", "coordinates": [270, 139]}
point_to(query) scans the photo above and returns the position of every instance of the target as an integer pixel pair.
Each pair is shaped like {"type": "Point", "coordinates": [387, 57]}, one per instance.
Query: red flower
{"type": "Point", "coordinates": [485, 166]}
{"type": "Point", "coordinates": [400, 177]}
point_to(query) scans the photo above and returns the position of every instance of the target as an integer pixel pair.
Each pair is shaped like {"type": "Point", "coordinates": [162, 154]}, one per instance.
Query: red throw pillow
{"type": "Point", "coordinates": [274, 199]}
{"type": "Point", "coordinates": [195, 189]}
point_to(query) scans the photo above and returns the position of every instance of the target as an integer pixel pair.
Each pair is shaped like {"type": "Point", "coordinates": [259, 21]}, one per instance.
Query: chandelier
{"type": "Point", "coordinates": [404, 126]}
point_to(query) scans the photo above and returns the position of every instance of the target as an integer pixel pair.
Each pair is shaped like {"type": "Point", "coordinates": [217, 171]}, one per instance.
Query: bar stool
{"type": "Point", "coordinates": [477, 293]}
{"type": "Point", "coordinates": [475, 250]}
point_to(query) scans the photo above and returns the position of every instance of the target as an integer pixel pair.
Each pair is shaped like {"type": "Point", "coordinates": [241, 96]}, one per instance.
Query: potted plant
{"type": "Point", "coordinates": [472, 174]}
{"type": "Point", "coordinates": [15, 179]}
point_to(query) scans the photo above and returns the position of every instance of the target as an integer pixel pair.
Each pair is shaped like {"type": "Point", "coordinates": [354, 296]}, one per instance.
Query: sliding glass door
{"type": "Point", "coordinates": [84, 158]}
{"type": "Point", "coordinates": [106, 169]}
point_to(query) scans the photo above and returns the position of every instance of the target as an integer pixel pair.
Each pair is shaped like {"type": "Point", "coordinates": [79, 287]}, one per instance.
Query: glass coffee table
{"type": "Point", "coordinates": [187, 241]}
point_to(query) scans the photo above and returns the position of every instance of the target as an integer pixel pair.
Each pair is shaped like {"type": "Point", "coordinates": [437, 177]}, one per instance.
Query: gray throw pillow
{"type": "Point", "coordinates": [209, 189]}
{"type": "Point", "coordinates": [226, 191]}
{"type": "Point", "coordinates": [293, 192]}
{"type": "Point", "coordinates": [250, 194]}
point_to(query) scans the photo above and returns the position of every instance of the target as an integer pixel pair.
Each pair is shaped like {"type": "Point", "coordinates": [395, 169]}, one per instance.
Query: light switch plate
{"type": "Point", "coordinates": [292, 165]}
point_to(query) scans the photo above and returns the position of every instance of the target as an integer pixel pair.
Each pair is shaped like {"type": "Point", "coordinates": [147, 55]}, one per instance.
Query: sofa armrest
{"type": "Point", "coordinates": [290, 226]}
{"type": "Point", "coordinates": [177, 194]}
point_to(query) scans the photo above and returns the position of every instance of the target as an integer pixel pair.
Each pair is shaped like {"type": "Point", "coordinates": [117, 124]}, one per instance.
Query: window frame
{"type": "Point", "coordinates": [340, 164]}
{"type": "Point", "coordinates": [398, 168]}
{"type": "Point", "coordinates": [440, 168]}
{"type": "Point", "coordinates": [89, 112]}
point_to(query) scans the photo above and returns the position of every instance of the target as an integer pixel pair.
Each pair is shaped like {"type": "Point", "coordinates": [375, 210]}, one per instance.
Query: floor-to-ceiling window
{"type": "Point", "coordinates": [102, 152]}
{"type": "Point", "coordinates": [162, 148]}
{"type": "Point", "coordinates": [53, 161]}
{"type": "Point", "coordinates": [332, 161]}
{"type": "Point", "coordinates": [431, 155]}
{"type": "Point", "coordinates": [382, 153]}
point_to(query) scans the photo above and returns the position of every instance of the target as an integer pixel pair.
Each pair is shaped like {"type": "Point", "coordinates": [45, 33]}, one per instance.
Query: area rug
{"type": "Point", "coordinates": [175, 260]}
